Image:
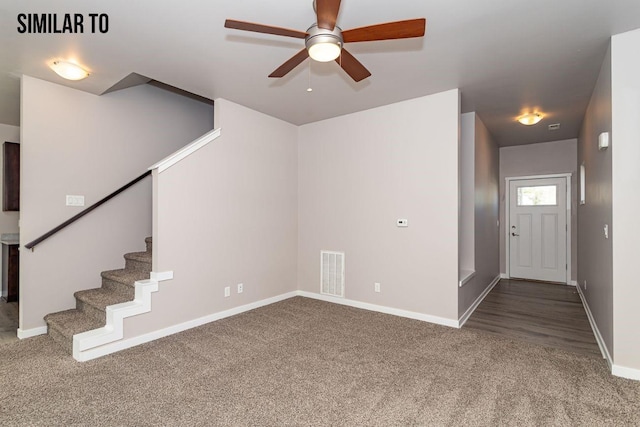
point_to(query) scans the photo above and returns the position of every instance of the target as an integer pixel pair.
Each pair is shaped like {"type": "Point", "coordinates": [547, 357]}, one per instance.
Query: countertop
{"type": "Point", "coordinates": [10, 238]}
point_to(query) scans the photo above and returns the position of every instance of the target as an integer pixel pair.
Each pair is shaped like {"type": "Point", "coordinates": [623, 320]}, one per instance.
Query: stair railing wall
{"type": "Point", "coordinates": [31, 245]}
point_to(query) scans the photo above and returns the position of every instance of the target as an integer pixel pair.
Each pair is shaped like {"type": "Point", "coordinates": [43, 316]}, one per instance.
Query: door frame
{"type": "Point", "coordinates": [507, 204]}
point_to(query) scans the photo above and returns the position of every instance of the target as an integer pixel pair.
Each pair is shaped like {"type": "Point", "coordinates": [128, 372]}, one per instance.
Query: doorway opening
{"type": "Point", "coordinates": [538, 232]}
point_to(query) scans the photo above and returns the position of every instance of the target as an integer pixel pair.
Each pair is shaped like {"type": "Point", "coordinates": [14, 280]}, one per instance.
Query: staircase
{"type": "Point", "coordinates": [118, 286]}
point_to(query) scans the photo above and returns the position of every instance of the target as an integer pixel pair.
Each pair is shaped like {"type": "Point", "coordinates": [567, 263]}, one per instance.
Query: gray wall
{"type": "Point", "coordinates": [540, 159]}
{"type": "Point", "coordinates": [485, 205]}
{"type": "Point", "coordinates": [359, 173]}
{"type": "Point", "coordinates": [226, 215]}
{"type": "Point", "coordinates": [78, 143]}
{"type": "Point", "coordinates": [595, 253]}
{"type": "Point", "coordinates": [8, 220]}
{"type": "Point", "coordinates": [625, 152]}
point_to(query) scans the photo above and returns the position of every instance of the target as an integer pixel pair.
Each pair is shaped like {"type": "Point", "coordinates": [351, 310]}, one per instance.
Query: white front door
{"type": "Point", "coordinates": [538, 229]}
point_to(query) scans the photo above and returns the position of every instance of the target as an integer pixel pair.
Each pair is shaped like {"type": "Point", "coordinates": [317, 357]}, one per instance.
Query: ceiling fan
{"type": "Point", "coordinates": [324, 41]}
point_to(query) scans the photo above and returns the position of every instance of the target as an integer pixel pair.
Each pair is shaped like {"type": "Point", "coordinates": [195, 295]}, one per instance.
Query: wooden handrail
{"type": "Point", "coordinates": [73, 219]}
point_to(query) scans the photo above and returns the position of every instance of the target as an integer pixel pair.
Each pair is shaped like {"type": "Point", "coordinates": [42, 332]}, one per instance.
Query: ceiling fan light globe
{"type": "Point", "coordinates": [323, 45]}
{"type": "Point", "coordinates": [324, 52]}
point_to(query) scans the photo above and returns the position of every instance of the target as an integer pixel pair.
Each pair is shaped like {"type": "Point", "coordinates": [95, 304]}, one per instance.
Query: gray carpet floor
{"type": "Point", "coordinates": [9, 319]}
{"type": "Point", "coordinates": [305, 362]}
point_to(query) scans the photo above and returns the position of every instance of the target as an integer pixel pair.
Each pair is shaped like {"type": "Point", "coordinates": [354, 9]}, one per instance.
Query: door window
{"type": "Point", "coordinates": [539, 195]}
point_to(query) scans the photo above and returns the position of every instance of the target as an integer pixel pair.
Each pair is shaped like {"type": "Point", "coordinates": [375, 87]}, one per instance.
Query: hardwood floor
{"type": "Point", "coordinates": [8, 320]}
{"type": "Point", "coordinates": [541, 313]}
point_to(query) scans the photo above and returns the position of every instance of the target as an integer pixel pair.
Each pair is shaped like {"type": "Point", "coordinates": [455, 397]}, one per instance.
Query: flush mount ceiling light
{"type": "Point", "coordinates": [323, 45]}
{"type": "Point", "coordinates": [530, 118]}
{"type": "Point", "coordinates": [68, 70]}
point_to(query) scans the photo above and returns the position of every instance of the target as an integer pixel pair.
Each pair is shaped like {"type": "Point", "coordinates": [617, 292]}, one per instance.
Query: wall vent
{"type": "Point", "coordinates": [332, 273]}
{"type": "Point", "coordinates": [554, 126]}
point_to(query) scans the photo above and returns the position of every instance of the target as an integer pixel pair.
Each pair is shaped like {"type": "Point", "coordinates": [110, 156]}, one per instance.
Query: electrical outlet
{"type": "Point", "coordinates": [227, 291]}
{"type": "Point", "coordinates": [240, 288]}
{"type": "Point", "coordinates": [376, 287]}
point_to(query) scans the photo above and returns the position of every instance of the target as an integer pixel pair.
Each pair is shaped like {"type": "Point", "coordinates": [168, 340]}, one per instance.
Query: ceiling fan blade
{"type": "Point", "coordinates": [352, 66]}
{"type": "Point", "coordinates": [388, 31]}
{"type": "Point", "coordinates": [265, 29]}
{"type": "Point", "coordinates": [292, 63]}
{"type": "Point", "coordinates": [327, 13]}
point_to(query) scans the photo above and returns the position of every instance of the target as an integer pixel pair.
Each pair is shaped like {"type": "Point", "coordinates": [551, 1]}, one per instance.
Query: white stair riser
{"type": "Point", "coordinates": [115, 316]}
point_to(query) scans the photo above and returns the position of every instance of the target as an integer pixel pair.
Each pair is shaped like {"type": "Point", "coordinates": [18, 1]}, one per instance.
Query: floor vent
{"type": "Point", "coordinates": [332, 273]}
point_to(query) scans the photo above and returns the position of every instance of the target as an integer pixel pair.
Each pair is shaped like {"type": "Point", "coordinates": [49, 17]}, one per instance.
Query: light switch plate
{"type": "Point", "coordinates": [402, 222]}
{"type": "Point", "coordinates": [75, 200]}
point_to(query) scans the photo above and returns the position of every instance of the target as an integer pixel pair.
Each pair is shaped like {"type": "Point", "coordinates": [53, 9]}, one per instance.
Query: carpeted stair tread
{"type": "Point", "coordinates": [127, 277]}
{"type": "Point", "coordinates": [100, 298]}
{"type": "Point", "coordinates": [71, 322]}
{"type": "Point", "coordinates": [140, 261]}
{"type": "Point", "coordinates": [118, 286]}
{"type": "Point", "coordinates": [139, 256]}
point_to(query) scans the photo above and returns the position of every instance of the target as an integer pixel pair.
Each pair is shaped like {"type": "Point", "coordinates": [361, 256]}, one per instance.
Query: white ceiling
{"type": "Point", "coordinates": [504, 55]}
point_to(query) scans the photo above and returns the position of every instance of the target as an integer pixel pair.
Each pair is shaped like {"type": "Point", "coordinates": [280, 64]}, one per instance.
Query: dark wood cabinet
{"type": "Point", "coordinates": [10, 273]}
{"type": "Point", "coordinates": [11, 177]}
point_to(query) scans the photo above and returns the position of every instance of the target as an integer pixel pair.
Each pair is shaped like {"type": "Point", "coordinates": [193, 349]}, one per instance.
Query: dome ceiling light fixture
{"type": "Point", "coordinates": [530, 119]}
{"type": "Point", "coordinates": [68, 70]}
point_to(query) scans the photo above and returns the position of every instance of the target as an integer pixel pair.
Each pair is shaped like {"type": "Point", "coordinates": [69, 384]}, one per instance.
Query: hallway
{"type": "Point", "coordinates": [8, 321]}
{"type": "Point", "coordinates": [540, 313]}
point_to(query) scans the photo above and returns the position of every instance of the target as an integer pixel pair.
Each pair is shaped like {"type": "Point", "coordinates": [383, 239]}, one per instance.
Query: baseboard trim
{"type": "Point", "coordinates": [504, 276]}
{"type": "Point", "coordinates": [121, 344]}
{"type": "Point", "coordinates": [596, 332]}
{"type": "Point", "coordinates": [573, 283]}
{"type": "Point", "coordinates": [463, 319]}
{"type": "Point", "coordinates": [33, 332]}
{"type": "Point", "coordinates": [624, 372]}
{"type": "Point", "coordinates": [382, 309]}
{"type": "Point", "coordinates": [617, 370]}
{"type": "Point", "coordinates": [161, 333]}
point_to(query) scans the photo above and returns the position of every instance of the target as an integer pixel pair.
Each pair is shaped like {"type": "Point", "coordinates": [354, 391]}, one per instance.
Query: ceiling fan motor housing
{"type": "Point", "coordinates": [321, 36]}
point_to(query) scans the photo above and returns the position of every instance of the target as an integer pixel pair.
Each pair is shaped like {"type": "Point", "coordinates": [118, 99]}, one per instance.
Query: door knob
{"type": "Point", "coordinates": [514, 234]}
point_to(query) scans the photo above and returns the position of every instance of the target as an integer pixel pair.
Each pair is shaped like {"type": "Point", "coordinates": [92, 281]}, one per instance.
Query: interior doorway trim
{"type": "Point", "coordinates": [507, 201]}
